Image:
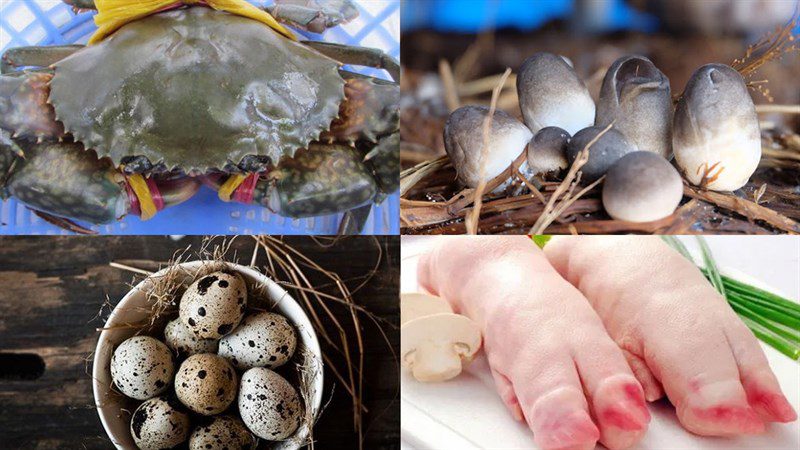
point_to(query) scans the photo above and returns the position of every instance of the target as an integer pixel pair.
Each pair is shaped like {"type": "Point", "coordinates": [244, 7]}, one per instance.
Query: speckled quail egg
{"type": "Point", "coordinates": [262, 340]}
{"type": "Point", "coordinates": [142, 367]}
{"type": "Point", "coordinates": [184, 342]}
{"type": "Point", "coordinates": [159, 423]}
{"type": "Point", "coordinates": [214, 305]}
{"type": "Point", "coordinates": [223, 432]}
{"type": "Point", "coordinates": [268, 404]}
{"type": "Point", "coordinates": [206, 384]}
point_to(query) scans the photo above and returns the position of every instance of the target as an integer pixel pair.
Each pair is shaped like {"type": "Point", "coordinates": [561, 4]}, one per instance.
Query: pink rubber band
{"type": "Point", "coordinates": [244, 193]}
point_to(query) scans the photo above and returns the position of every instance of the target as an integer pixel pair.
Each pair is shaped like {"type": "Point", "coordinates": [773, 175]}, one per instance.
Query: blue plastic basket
{"type": "Point", "coordinates": [51, 22]}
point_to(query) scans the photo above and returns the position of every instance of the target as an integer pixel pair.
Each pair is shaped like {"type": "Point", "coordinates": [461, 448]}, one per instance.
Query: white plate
{"type": "Point", "coordinates": [467, 413]}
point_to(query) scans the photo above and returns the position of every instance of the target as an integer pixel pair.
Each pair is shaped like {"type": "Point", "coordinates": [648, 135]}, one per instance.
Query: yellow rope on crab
{"type": "Point", "coordinates": [112, 14]}
{"type": "Point", "coordinates": [146, 203]}
{"type": "Point", "coordinates": [229, 186]}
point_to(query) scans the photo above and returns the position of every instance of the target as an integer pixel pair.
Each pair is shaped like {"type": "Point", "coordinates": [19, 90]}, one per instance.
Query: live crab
{"type": "Point", "coordinates": [135, 122]}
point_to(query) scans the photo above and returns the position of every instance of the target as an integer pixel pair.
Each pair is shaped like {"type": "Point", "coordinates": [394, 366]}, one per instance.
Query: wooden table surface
{"type": "Point", "coordinates": [51, 293]}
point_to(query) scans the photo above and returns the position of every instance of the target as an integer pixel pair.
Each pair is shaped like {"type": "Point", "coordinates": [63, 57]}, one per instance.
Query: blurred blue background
{"type": "Point", "coordinates": [473, 16]}
{"type": "Point", "coordinates": [49, 22]}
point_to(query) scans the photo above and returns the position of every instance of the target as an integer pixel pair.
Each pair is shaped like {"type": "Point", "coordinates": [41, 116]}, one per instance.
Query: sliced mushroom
{"type": "Point", "coordinates": [642, 187]}
{"type": "Point", "coordinates": [414, 305]}
{"type": "Point", "coordinates": [610, 147]}
{"type": "Point", "coordinates": [463, 141]}
{"type": "Point", "coordinates": [547, 152]}
{"type": "Point", "coordinates": [636, 97]}
{"type": "Point", "coordinates": [552, 95]}
{"type": "Point", "coordinates": [715, 134]}
{"type": "Point", "coordinates": [436, 347]}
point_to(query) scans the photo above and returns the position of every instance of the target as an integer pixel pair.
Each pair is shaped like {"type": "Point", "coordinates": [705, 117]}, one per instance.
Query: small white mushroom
{"type": "Point", "coordinates": [608, 148]}
{"type": "Point", "coordinates": [463, 141]}
{"type": "Point", "coordinates": [642, 187]}
{"type": "Point", "coordinates": [414, 305]}
{"type": "Point", "coordinates": [715, 134]}
{"type": "Point", "coordinates": [552, 95]}
{"type": "Point", "coordinates": [636, 97]}
{"type": "Point", "coordinates": [547, 152]}
{"type": "Point", "coordinates": [435, 347]}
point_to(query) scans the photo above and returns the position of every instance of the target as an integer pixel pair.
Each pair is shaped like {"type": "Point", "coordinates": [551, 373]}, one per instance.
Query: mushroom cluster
{"type": "Point", "coordinates": [435, 343]}
{"type": "Point", "coordinates": [631, 134]}
{"type": "Point", "coordinates": [213, 380]}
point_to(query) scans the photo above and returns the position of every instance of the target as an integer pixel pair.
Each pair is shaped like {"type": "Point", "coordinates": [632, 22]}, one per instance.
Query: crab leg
{"type": "Point", "coordinates": [313, 15]}
{"type": "Point", "coordinates": [81, 4]}
{"type": "Point", "coordinates": [384, 160]}
{"type": "Point", "coordinates": [369, 112]}
{"type": "Point", "coordinates": [358, 56]}
{"type": "Point", "coordinates": [9, 151]}
{"type": "Point", "coordinates": [35, 56]}
{"type": "Point", "coordinates": [354, 220]}
{"type": "Point", "coordinates": [24, 112]}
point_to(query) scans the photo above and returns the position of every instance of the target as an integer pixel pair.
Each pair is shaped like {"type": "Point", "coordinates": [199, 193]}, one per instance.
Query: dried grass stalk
{"type": "Point", "coordinates": [744, 207]}
{"type": "Point", "coordinates": [551, 211]}
{"type": "Point", "coordinates": [472, 218]}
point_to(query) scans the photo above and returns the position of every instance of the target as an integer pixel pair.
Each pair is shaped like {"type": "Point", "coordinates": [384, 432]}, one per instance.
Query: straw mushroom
{"type": "Point", "coordinates": [435, 342]}
{"type": "Point", "coordinates": [547, 152]}
{"type": "Point", "coordinates": [608, 148]}
{"type": "Point", "coordinates": [551, 94]}
{"type": "Point", "coordinates": [636, 97]}
{"type": "Point", "coordinates": [642, 187]}
{"type": "Point", "coordinates": [463, 140]}
{"type": "Point", "coordinates": [715, 134]}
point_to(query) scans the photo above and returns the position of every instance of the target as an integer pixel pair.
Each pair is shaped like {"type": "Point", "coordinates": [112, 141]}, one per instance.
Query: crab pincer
{"type": "Point", "coordinates": [65, 180]}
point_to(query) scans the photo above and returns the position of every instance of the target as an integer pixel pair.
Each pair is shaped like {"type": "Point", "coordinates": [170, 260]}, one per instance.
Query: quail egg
{"type": "Point", "coordinates": [223, 432]}
{"type": "Point", "coordinates": [206, 384]}
{"type": "Point", "coordinates": [214, 305]}
{"type": "Point", "coordinates": [269, 405]}
{"type": "Point", "coordinates": [159, 423]}
{"type": "Point", "coordinates": [262, 340]}
{"type": "Point", "coordinates": [184, 342]}
{"type": "Point", "coordinates": [142, 367]}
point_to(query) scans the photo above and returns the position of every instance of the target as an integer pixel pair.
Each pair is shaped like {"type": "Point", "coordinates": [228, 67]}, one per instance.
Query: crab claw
{"type": "Point", "coordinates": [323, 179]}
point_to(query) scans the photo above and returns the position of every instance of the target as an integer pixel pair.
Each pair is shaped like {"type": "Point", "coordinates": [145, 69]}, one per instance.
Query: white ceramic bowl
{"type": "Point", "coordinates": [134, 308]}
